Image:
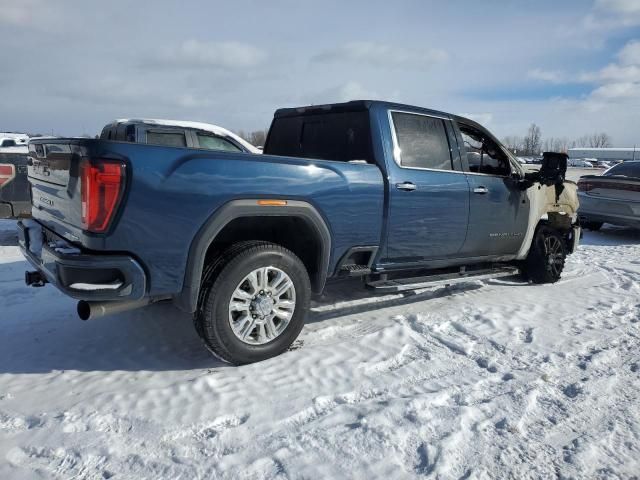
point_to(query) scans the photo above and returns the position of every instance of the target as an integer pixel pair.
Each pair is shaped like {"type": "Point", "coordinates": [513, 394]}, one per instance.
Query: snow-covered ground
{"type": "Point", "coordinates": [494, 379]}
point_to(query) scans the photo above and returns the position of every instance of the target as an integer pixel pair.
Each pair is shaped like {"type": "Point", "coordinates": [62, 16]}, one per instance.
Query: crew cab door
{"type": "Point", "coordinates": [498, 208]}
{"type": "Point", "coordinates": [428, 198]}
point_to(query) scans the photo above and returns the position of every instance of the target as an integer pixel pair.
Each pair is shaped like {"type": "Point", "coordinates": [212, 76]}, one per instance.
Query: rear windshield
{"type": "Point", "coordinates": [626, 169]}
{"type": "Point", "coordinates": [327, 136]}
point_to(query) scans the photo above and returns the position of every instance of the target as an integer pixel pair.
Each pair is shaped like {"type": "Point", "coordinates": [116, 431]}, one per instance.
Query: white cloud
{"type": "Point", "coordinates": [630, 53]}
{"type": "Point", "coordinates": [37, 14]}
{"type": "Point", "coordinates": [381, 55]}
{"type": "Point", "coordinates": [195, 53]}
{"type": "Point", "coordinates": [345, 92]}
{"type": "Point", "coordinates": [551, 76]}
{"type": "Point", "coordinates": [482, 118]}
{"type": "Point", "coordinates": [617, 91]}
{"type": "Point", "coordinates": [620, 80]}
{"type": "Point", "coordinates": [619, 6]}
{"type": "Point", "coordinates": [612, 14]}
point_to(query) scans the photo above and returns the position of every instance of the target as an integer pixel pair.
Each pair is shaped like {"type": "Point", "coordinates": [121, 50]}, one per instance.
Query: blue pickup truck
{"type": "Point", "coordinates": [402, 196]}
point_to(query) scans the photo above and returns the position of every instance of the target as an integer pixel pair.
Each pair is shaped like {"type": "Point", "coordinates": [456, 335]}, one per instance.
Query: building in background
{"type": "Point", "coordinates": [606, 154]}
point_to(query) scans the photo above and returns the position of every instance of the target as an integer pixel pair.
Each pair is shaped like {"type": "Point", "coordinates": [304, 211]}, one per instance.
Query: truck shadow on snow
{"type": "Point", "coordinates": [41, 333]}
{"type": "Point", "coordinates": [611, 235]}
{"type": "Point", "coordinates": [44, 335]}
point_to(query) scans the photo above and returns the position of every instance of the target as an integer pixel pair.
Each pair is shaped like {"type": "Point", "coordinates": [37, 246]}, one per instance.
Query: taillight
{"type": "Point", "coordinates": [101, 188]}
{"type": "Point", "coordinates": [584, 185]}
{"type": "Point", "coordinates": [7, 173]}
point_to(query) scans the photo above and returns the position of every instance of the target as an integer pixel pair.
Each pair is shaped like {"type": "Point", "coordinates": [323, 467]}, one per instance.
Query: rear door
{"type": "Point", "coordinates": [428, 197]}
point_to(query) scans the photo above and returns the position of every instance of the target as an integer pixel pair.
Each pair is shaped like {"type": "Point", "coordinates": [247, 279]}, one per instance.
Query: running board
{"type": "Point", "coordinates": [415, 283]}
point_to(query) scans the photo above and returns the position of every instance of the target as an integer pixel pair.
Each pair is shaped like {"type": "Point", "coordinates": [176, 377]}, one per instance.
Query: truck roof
{"type": "Point", "coordinates": [362, 105]}
{"type": "Point", "coordinates": [207, 127]}
{"type": "Point", "coordinates": [351, 106]}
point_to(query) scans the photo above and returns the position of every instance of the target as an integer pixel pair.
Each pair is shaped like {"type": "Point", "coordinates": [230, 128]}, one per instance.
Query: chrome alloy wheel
{"type": "Point", "coordinates": [554, 255]}
{"type": "Point", "coordinates": [262, 305]}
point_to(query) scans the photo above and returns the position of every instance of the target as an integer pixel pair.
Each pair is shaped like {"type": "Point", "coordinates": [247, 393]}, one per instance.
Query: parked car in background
{"type": "Point", "coordinates": [403, 197]}
{"type": "Point", "coordinates": [613, 197]}
{"type": "Point", "coordinates": [14, 186]}
{"type": "Point", "coordinates": [11, 145]}
{"type": "Point", "coordinates": [602, 164]}
{"type": "Point", "coordinates": [176, 133]}
{"type": "Point", "coordinates": [579, 162]}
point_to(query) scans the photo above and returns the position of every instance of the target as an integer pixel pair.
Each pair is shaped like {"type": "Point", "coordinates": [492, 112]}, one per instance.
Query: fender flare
{"type": "Point", "coordinates": [187, 299]}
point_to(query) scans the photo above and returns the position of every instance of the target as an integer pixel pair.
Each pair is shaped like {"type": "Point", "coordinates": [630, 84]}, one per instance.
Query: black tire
{"type": "Point", "coordinates": [546, 258]}
{"type": "Point", "coordinates": [221, 279]}
{"type": "Point", "coordinates": [594, 226]}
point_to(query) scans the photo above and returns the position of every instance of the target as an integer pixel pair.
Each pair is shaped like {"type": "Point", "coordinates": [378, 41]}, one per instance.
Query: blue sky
{"type": "Point", "coordinates": [573, 67]}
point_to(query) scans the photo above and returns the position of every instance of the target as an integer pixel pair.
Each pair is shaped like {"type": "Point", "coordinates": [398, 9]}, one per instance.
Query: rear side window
{"type": "Point", "coordinates": [211, 142]}
{"type": "Point", "coordinates": [168, 139]}
{"type": "Point", "coordinates": [626, 169]}
{"type": "Point", "coordinates": [327, 136]}
{"type": "Point", "coordinates": [422, 141]}
{"type": "Point", "coordinates": [8, 143]}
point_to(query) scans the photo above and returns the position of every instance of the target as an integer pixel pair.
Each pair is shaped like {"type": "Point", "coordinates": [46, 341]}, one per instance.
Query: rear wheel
{"type": "Point", "coordinates": [255, 306]}
{"type": "Point", "coordinates": [595, 226]}
{"type": "Point", "coordinates": [546, 258]}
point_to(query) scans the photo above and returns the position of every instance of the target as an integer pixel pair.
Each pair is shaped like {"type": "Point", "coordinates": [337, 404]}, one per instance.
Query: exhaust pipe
{"type": "Point", "coordinates": [92, 310]}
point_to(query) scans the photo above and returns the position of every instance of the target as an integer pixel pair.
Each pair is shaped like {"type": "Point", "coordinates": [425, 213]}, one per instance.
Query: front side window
{"type": "Point", "coordinates": [211, 142]}
{"type": "Point", "coordinates": [8, 143]}
{"type": "Point", "coordinates": [483, 154]}
{"type": "Point", "coordinates": [168, 139]}
{"type": "Point", "coordinates": [422, 141]}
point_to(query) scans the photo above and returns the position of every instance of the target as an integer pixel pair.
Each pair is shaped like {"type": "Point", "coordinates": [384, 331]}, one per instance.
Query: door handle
{"type": "Point", "coordinates": [407, 186]}
{"type": "Point", "coordinates": [481, 190]}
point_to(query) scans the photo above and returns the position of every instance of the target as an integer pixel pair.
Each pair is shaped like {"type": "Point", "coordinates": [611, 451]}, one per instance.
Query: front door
{"type": "Point", "coordinates": [498, 208]}
{"type": "Point", "coordinates": [428, 199]}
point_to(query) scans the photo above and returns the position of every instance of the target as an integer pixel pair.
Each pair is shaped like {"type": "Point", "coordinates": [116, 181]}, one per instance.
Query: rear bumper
{"type": "Point", "coordinates": [617, 212]}
{"type": "Point", "coordinates": [79, 275]}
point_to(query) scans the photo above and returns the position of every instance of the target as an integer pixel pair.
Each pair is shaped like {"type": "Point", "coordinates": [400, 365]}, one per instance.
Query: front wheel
{"type": "Point", "coordinates": [546, 258]}
{"type": "Point", "coordinates": [256, 306]}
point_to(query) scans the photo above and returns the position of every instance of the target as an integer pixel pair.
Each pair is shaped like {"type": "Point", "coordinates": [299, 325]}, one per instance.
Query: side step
{"type": "Point", "coordinates": [415, 283]}
{"type": "Point", "coordinates": [354, 270]}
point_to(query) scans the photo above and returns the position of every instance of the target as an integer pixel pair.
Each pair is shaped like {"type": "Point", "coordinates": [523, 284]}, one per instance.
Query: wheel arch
{"type": "Point", "coordinates": [218, 230]}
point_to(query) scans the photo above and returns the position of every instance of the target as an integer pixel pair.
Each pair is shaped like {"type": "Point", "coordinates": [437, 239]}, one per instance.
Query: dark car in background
{"type": "Point", "coordinates": [613, 197]}
{"type": "Point", "coordinates": [14, 186]}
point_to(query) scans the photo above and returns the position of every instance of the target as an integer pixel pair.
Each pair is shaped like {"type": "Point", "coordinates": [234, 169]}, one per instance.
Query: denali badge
{"type": "Point", "coordinates": [47, 201]}
{"type": "Point", "coordinates": [506, 234]}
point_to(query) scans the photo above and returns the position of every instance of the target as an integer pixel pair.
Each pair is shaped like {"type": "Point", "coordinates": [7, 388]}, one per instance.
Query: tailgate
{"type": "Point", "coordinates": [55, 190]}
{"type": "Point", "coordinates": [75, 191]}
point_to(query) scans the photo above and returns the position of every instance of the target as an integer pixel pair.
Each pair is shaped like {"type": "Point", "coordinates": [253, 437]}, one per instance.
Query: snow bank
{"type": "Point", "coordinates": [488, 380]}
